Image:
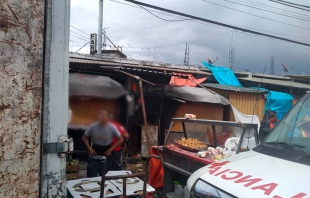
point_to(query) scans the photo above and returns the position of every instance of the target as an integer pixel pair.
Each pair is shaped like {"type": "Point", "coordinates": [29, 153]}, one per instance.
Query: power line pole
{"type": "Point", "coordinates": [99, 48]}
{"type": "Point", "coordinates": [231, 57]}
{"type": "Point", "coordinates": [272, 61]}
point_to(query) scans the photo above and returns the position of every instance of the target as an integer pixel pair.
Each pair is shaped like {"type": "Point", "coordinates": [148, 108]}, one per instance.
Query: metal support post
{"type": "Point", "coordinates": [104, 160]}
{"type": "Point", "coordinates": [99, 48]}
{"type": "Point", "coordinates": [55, 101]}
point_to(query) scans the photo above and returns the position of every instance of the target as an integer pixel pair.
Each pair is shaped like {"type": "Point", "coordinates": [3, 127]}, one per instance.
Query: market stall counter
{"type": "Point", "coordinates": [195, 144]}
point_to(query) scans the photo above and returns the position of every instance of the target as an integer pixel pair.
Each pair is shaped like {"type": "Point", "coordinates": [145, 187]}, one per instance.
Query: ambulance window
{"type": "Point", "coordinates": [294, 128]}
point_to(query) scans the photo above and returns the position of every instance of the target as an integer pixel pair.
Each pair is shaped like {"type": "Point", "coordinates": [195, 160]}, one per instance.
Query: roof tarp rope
{"type": "Point", "coordinates": [223, 75]}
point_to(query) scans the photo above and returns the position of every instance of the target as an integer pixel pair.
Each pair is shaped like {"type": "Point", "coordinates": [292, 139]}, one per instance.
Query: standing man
{"type": "Point", "coordinates": [101, 135]}
{"type": "Point", "coordinates": [118, 150]}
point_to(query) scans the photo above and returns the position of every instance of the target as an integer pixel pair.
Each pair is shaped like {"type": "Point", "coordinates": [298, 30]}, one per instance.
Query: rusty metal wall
{"type": "Point", "coordinates": [21, 62]}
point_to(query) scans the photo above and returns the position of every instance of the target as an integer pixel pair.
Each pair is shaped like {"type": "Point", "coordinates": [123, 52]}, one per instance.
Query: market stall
{"type": "Point", "coordinates": [201, 142]}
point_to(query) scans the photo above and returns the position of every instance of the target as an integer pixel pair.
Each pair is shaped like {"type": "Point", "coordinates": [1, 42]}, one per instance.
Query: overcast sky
{"type": "Point", "coordinates": [142, 34]}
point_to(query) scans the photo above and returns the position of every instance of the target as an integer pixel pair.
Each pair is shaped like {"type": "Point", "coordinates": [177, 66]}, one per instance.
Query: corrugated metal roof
{"type": "Point", "coordinates": [192, 94]}
{"type": "Point", "coordinates": [299, 76]}
{"type": "Point", "coordinates": [137, 66]}
{"type": "Point", "coordinates": [278, 82]}
{"type": "Point", "coordinates": [105, 58]}
{"type": "Point", "coordinates": [258, 75]}
{"type": "Point", "coordinates": [233, 88]}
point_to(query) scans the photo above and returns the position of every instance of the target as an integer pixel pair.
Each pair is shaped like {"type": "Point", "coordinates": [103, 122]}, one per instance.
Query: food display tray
{"type": "Point", "coordinates": [190, 149]}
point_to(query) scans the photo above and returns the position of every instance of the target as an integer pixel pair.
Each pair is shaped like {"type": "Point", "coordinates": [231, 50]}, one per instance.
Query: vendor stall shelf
{"type": "Point", "coordinates": [180, 163]}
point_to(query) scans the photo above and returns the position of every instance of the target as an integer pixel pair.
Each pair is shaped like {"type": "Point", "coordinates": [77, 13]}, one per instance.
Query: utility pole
{"type": "Point", "coordinates": [55, 99]}
{"type": "Point", "coordinates": [99, 48]}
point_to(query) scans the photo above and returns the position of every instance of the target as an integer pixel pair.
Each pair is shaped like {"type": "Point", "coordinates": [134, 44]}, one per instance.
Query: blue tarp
{"type": "Point", "coordinates": [224, 76]}
{"type": "Point", "coordinates": [278, 102]}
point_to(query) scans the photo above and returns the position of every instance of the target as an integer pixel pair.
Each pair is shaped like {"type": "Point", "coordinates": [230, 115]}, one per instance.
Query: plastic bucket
{"type": "Point", "coordinates": [178, 190]}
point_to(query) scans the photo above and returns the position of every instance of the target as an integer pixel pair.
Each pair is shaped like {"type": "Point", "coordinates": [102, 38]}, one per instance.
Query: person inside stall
{"type": "Point", "coordinates": [267, 124]}
{"type": "Point", "coordinates": [273, 119]}
{"type": "Point", "coordinates": [101, 135]}
{"type": "Point", "coordinates": [118, 150]}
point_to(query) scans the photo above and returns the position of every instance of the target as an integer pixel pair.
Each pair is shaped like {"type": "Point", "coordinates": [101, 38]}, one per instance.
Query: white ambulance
{"type": "Point", "coordinates": [279, 167]}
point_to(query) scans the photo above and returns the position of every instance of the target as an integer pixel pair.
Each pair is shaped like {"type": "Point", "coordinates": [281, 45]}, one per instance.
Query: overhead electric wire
{"type": "Point", "coordinates": [290, 16]}
{"type": "Point", "coordinates": [254, 15]}
{"type": "Point", "coordinates": [290, 5]}
{"type": "Point", "coordinates": [162, 46]}
{"type": "Point", "coordinates": [305, 6]}
{"type": "Point", "coordinates": [89, 41]}
{"type": "Point", "coordinates": [205, 23]}
{"type": "Point", "coordinates": [79, 34]}
{"type": "Point", "coordinates": [76, 41]}
{"type": "Point", "coordinates": [275, 8]}
{"type": "Point", "coordinates": [163, 18]}
{"type": "Point", "coordinates": [79, 30]}
{"type": "Point", "coordinates": [304, 38]}
{"type": "Point", "coordinates": [171, 15]}
{"type": "Point", "coordinates": [78, 37]}
{"type": "Point", "coordinates": [224, 28]}
{"type": "Point", "coordinates": [82, 37]}
{"type": "Point", "coordinates": [217, 23]}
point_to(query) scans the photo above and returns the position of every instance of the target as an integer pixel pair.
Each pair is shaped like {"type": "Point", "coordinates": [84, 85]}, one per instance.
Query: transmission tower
{"type": "Point", "coordinates": [186, 59]}
{"type": "Point", "coordinates": [231, 57]}
{"type": "Point", "coordinates": [272, 61]}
